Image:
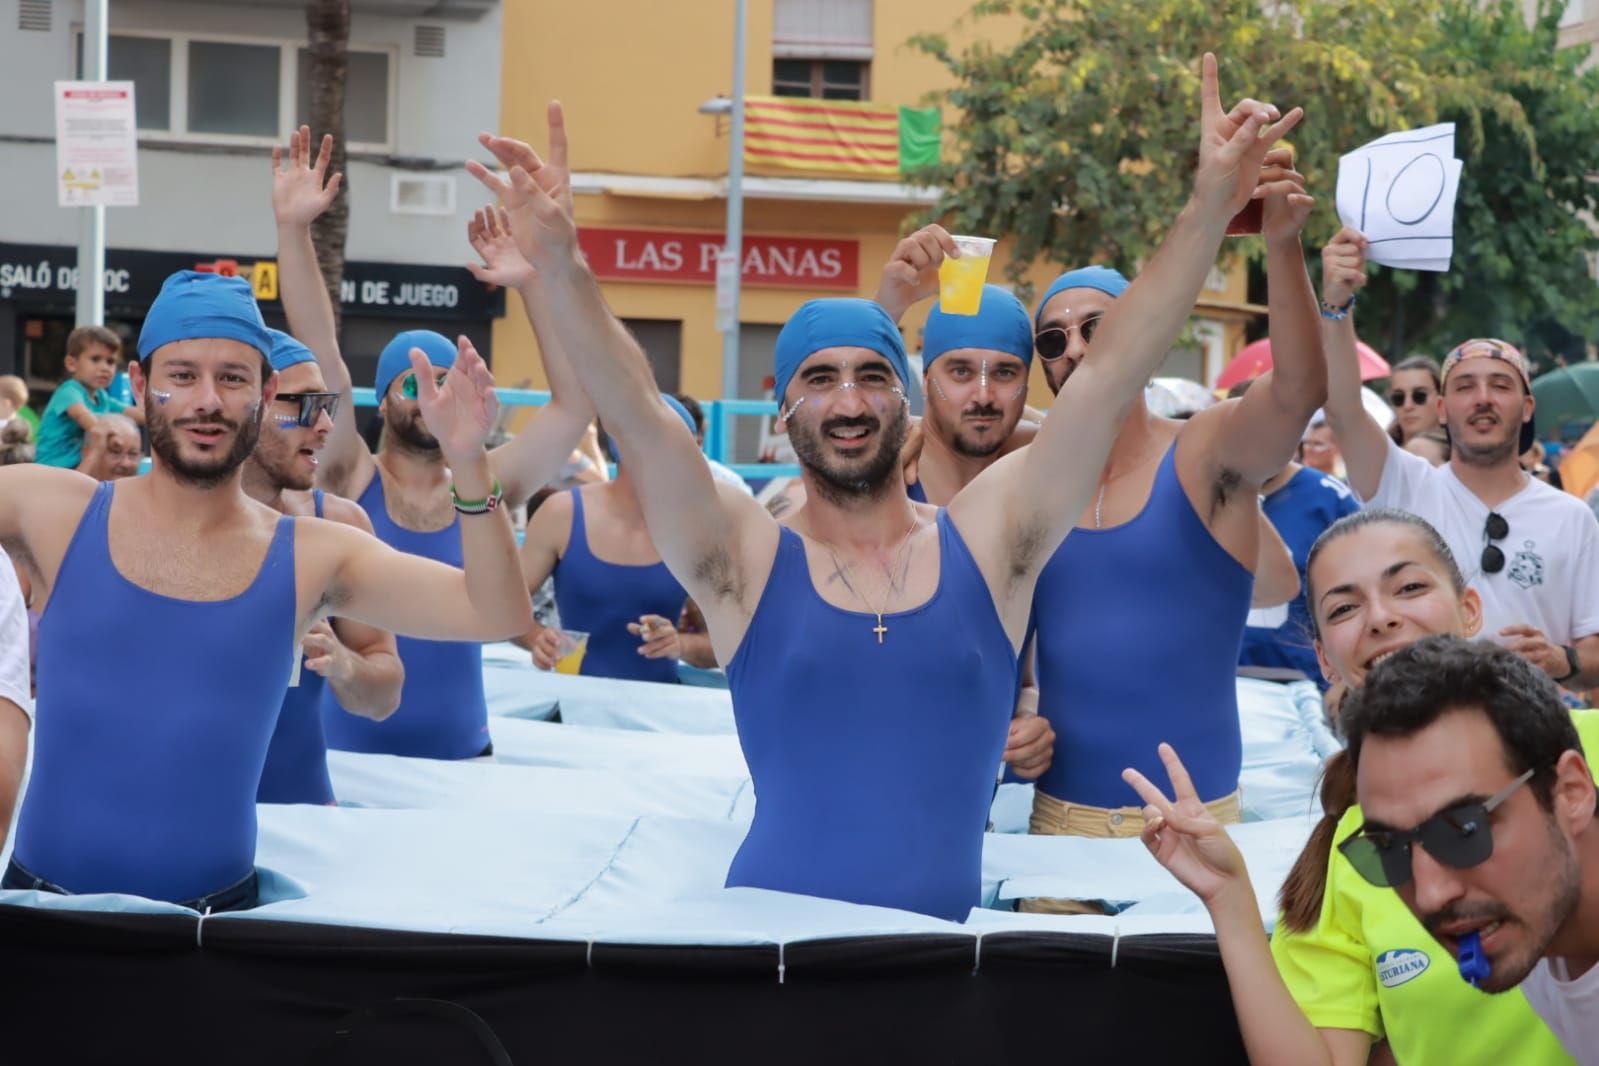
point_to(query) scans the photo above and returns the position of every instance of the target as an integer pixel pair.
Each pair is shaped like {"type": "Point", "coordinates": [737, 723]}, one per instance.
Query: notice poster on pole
{"type": "Point", "coordinates": [96, 144]}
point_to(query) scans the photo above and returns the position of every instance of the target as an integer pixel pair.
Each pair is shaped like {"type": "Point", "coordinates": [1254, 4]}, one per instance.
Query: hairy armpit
{"type": "Point", "coordinates": [1223, 490]}
{"type": "Point", "coordinates": [17, 549]}
{"type": "Point", "coordinates": [1026, 550]}
{"type": "Point", "coordinates": [717, 571]}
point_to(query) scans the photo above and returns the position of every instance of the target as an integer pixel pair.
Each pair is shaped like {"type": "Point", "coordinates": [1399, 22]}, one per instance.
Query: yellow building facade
{"type": "Point", "coordinates": [649, 173]}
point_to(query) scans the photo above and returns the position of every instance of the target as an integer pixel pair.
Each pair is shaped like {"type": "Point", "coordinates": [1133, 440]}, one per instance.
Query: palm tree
{"type": "Point", "coordinates": [328, 27]}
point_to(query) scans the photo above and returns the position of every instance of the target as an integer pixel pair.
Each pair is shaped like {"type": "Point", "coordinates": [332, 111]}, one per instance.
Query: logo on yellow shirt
{"type": "Point", "coordinates": [1396, 967]}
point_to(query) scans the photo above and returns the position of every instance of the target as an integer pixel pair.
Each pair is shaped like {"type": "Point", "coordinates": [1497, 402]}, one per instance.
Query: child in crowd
{"type": "Point", "coordinates": [13, 398]}
{"type": "Point", "coordinates": [92, 357]}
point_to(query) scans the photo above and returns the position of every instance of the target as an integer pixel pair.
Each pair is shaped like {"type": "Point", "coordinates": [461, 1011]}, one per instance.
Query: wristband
{"type": "Point", "coordinates": [1337, 314]}
{"type": "Point", "coordinates": [483, 506]}
{"type": "Point", "coordinates": [1572, 661]}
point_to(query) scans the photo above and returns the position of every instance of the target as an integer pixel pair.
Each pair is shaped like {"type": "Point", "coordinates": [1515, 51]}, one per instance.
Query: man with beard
{"type": "Point", "coordinates": [144, 782]}
{"type": "Point", "coordinates": [1479, 812]}
{"type": "Point", "coordinates": [1530, 550]}
{"type": "Point", "coordinates": [871, 643]}
{"type": "Point", "coordinates": [1141, 612]}
{"type": "Point", "coordinates": [110, 448]}
{"type": "Point", "coordinates": [360, 663]}
{"type": "Point", "coordinates": [404, 488]}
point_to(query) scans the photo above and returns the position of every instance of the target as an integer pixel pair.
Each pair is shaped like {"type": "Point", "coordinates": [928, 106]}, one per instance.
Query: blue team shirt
{"type": "Point", "coordinates": [1301, 510]}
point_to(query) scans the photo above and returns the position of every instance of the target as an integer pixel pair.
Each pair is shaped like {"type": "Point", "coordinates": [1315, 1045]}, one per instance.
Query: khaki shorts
{"type": "Point", "coordinates": [1056, 817]}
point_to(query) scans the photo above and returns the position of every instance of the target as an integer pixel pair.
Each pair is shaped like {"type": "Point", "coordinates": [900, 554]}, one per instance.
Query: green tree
{"type": "Point", "coordinates": [1076, 138]}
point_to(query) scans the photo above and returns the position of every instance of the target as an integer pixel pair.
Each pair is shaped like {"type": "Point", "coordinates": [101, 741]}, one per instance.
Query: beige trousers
{"type": "Point", "coordinates": [1057, 817]}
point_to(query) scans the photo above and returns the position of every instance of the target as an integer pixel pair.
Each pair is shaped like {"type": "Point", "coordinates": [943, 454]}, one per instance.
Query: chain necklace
{"type": "Point", "coordinates": [843, 572]}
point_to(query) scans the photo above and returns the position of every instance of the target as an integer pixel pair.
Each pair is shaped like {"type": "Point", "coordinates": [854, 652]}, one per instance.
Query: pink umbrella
{"type": "Point", "coordinates": [1255, 360]}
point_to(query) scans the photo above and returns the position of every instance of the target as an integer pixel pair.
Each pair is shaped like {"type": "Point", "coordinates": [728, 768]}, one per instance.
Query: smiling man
{"type": "Point", "coordinates": [1530, 550]}
{"type": "Point", "coordinates": [1479, 812]}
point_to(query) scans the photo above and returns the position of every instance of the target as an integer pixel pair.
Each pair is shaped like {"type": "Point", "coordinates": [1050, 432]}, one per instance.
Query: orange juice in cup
{"type": "Point", "coordinates": [960, 281]}
{"type": "Point", "coordinates": [569, 649]}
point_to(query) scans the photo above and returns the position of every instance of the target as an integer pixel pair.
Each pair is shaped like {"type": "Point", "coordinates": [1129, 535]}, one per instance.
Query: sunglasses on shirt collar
{"type": "Point", "coordinates": [312, 405]}
{"type": "Point", "coordinates": [1495, 528]}
{"type": "Point", "coordinates": [1460, 837]}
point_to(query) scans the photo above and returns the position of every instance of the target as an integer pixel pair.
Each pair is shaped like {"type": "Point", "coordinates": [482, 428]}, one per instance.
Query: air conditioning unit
{"type": "Point", "coordinates": [422, 194]}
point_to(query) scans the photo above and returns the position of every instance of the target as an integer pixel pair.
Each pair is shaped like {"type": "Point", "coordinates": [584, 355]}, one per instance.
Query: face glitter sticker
{"type": "Point", "coordinates": [161, 397]}
{"type": "Point", "coordinates": [791, 411]}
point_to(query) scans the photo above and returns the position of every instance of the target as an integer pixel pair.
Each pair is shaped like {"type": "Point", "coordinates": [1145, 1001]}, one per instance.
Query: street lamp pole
{"type": "Point", "coordinates": [733, 246]}
{"type": "Point", "coordinates": [91, 220]}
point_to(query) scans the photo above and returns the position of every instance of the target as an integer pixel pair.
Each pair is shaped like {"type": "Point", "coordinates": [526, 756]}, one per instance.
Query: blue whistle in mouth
{"type": "Point", "coordinates": [1474, 965]}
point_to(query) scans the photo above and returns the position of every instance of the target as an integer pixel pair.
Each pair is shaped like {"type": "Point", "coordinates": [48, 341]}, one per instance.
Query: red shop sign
{"type": "Point", "coordinates": [685, 256]}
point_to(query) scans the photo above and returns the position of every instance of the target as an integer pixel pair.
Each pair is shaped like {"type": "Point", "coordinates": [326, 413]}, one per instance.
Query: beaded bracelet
{"type": "Point", "coordinates": [483, 506]}
{"type": "Point", "coordinates": [1337, 314]}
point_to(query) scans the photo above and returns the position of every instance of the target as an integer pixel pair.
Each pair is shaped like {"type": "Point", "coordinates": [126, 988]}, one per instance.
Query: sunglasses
{"type": "Point", "coordinates": [408, 383]}
{"type": "Point", "coordinates": [1051, 343]}
{"type": "Point", "coordinates": [1459, 838]}
{"type": "Point", "coordinates": [1417, 397]}
{"type": "Point", "coordinates": [312, 405]}
{"type": "Point", "coordinates": [1496, 528]}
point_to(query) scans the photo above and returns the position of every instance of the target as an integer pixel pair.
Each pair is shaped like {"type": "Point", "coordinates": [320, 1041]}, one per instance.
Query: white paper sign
{"type": "Point", "coordinates": [1399, 191]}
{"type": "Point", "coordinates": [96, 144]}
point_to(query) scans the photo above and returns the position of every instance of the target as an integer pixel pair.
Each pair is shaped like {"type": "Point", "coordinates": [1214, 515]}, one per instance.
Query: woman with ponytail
{"type": "Point", "coordinates": [1348, 967]}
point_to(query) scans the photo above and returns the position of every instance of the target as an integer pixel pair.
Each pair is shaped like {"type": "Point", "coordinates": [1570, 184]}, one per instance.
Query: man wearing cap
{"type": "Point", "coordinates": [1141, 612]}
{"type": "Point", "coordinates": [1530, 550]}
{"type": "Point", "coordinates": [871, 643]}
{"type": "Point", "coordinates": [404, 488]}
{"type": "Point", "coordinates": [360, 663]}
{"type": "Point", "coordinates": [145, 783]}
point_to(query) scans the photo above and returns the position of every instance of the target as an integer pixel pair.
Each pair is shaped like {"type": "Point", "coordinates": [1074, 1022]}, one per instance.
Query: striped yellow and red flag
{"type": "Point", "coordinates": [800, 133]}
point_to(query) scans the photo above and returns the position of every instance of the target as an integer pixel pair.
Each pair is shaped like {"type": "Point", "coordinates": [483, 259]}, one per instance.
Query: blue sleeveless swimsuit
{"type": "Point", "coordinates": [873, 764]}
{"type": "Point", "coordinates": [1139, 628]}
{"type": "Point", "coordinates": [442, 714]}
{"type": "Point", "coordinates": [601, 598]}
{"type": "Point", "coordinates": [145, 769]}
{"type": "Point", "coordinates": [915, 491]}
{"type": "Point", "coordinates": [296, 768]}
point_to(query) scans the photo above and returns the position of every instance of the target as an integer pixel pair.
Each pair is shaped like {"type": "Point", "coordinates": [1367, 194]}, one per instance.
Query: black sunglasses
{"type": "Point", "coordinates": [1496, 528]}
{"type": "Point", "coordinates": [1417, 397]}
{"type": "Point", "coordinates": [1051, 343]}
{"type": "Point", "coordinates": [1460, 838]}
{"type": "Point", "coordinates": [312, 404]}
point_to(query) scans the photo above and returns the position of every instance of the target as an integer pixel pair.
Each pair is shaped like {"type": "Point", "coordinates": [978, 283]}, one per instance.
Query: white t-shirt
{"type": "Point", "coordinates": [722, 473]}
{"type": "Point", "coordinates": [1570, 1008]}
{"type": "Point", "coordinates": [1551, 575]}
{"type": "Point", "coordinates": [14, 684]}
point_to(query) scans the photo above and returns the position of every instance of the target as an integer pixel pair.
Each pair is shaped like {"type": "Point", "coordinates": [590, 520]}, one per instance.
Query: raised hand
{"type": "Point", "coordinates": [1287, 206]}
{"type": "Point", "coordinates": [302, 190]}
{"type": "Point", "coordinates": [1233, 146]}
{"type": "Point", "coordinates": [514, 153]}
{"type": "Point", "coordinates": [911, 273]}
{"type": "Point", "coordinates": [461, 413]}
{"type": "Point", "coordinates": [543, 230]}
{"type": "Point", "coordinates": [1343, 267]}
{"type": "Point", "coordinates": [1184, 837]}
{"type": "Point", "coordinates": [503, 264]}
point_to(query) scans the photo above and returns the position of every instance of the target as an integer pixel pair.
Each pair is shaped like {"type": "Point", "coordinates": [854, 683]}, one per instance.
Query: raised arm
{"type": "Point", "coordinates": [372, 583]}
{"type": "Point", "coordinates": [301, 191]}
{"type": "Point", "coordinates": [713, 539]}
{"type": "Point", "coordinates": [1016, 513]}
{"type": "Point", "coordinates": [529, 461]}
{"type": "Point", "coordinates": [1257, 436]}
{"type": "Point", "coordinates": [1362, 440]}
{"type": "Point", "coordinates": [911, 273]}
{"type": "Point", "coordinates": [1186, 839]}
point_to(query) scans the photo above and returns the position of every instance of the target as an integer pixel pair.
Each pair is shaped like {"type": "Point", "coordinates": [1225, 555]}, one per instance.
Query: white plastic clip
{"type": "Point", "coordinates": [1115, 943]}
{"type": "Point", "coordinates": [782, 967]}
{"type": "Point", "coordinates": [588, 956]}
{"type": "Point", "coordinates": [200, 924]}
{"type": "Point", "coordinates": [977, 957]}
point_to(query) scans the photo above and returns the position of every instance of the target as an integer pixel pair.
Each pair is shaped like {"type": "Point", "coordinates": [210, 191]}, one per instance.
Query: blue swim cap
{"type": "Point", "coordinates": [1108, 281]}
{"type": "Point", "coordinates": [193, 305]}
{"type": "Point", "coordinates": [286, 351]}
{"type": "Point", "coordinates": [1000, 325]}
{"type": "Point", "coordinates": [674, 404]}
{"type": "Point", "coordinates": [396, 357]}
{"type": "Point", "coordinates": [837, 322]}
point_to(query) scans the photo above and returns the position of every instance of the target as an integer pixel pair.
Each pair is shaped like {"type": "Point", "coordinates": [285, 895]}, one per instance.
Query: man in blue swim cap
{"type": "Point", "coordinates": [404, 487]}
{"type": "Point", "coordinates": [144, 782]}
{"type": "Point", "coordinates": [871, 644]}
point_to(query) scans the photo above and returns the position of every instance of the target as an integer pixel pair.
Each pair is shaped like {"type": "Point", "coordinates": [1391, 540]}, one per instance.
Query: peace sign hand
{"type": "Point", "coordinates": [1233, 146]}
{"type": "Point", "coordinates": [461, 412]}
{"type": "Point", "coordinates": [1184, 837]}
{"type": "Point", "coordinates": [301, 191]}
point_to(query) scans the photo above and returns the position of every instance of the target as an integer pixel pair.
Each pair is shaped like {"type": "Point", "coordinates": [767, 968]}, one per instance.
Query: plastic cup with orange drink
{"type": "Point", "coordinates": [960, 281]}
{"type": "Point", "coordinates": [570, 646]}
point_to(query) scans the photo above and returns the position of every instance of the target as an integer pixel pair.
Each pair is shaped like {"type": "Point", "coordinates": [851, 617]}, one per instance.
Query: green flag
{"type": "Point", "coordinates": [919, 137]}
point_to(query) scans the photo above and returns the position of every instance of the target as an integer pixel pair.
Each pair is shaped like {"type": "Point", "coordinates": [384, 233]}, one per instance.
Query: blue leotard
{"type": "Point", "coordinates": [601, 598]}
{"type": "Point", "coordinates": [442, 714]}
{"type": "Point", "coordinates": [873, 764]}
{"type": "Point", "coordinates": [145, 770]}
